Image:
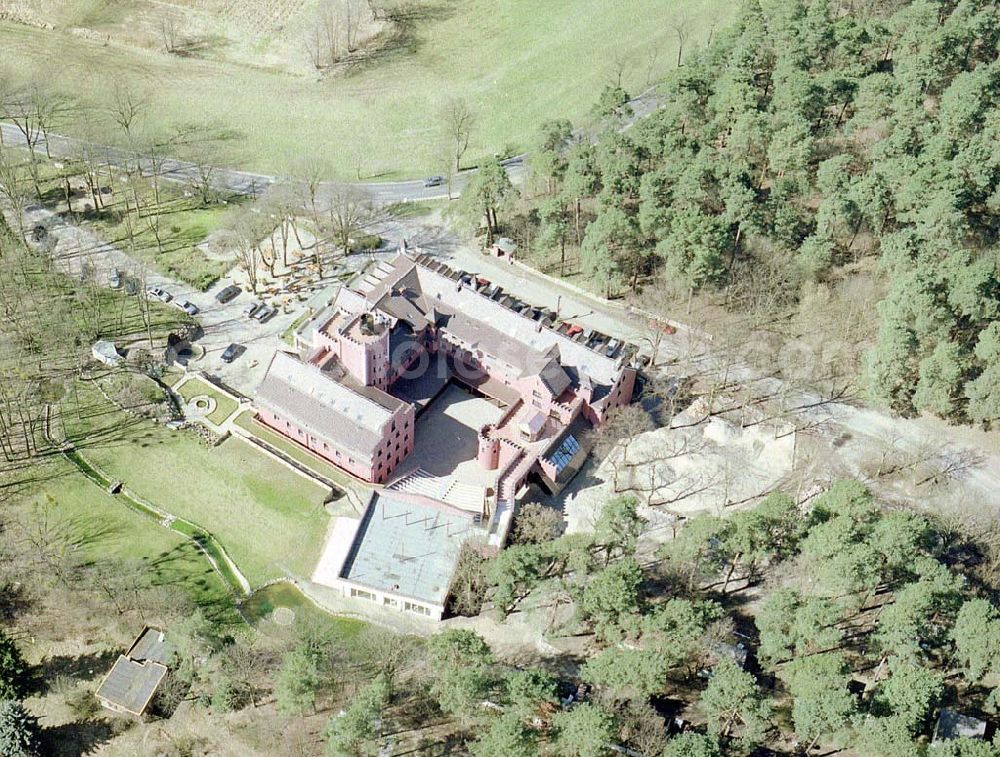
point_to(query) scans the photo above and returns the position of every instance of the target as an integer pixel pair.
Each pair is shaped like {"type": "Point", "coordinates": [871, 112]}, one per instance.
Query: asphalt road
{"type": "Point", "coordinates": [246, 182]}
{"type": "Point", "coordinates": [249, 183]}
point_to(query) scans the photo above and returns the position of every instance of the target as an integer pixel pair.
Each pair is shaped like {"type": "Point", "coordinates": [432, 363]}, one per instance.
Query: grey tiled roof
{"type": "Point", "coordinates": [130, 685]}
{"type": "Point", "coordinates": [151, 645]}
{"type": "Point", "coordinates": [326, 408]}
{"type": "Point", "coordinates": [504, 329]}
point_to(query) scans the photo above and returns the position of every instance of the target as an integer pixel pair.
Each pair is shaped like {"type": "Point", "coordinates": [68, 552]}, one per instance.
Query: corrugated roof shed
{"type": "Point", "coordinates": [955, 725]}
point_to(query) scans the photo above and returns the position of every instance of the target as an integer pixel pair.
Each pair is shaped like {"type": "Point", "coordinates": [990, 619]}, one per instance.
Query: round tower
{"type": "Point", "coordinates": [489, 448]}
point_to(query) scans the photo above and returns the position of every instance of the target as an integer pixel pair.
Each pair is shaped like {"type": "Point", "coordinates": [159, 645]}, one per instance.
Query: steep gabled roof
{"type": "Point", "coordinates": [328, 409]}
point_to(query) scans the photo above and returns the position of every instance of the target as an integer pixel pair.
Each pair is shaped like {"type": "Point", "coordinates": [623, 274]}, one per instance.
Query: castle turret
{"type": "Point", "coordinates": [364, 350]}
{"type": "Point", "coordinates": [489, 448]}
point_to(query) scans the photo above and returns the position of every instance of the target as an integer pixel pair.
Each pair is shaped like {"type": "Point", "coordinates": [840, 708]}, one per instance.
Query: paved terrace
{"type": "Point", "coordinates": [447, 436]}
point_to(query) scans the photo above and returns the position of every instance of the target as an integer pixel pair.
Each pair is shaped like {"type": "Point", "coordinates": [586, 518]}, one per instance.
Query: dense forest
{"type": "Point", "coordinates": [811, 142]}
{"type": "Point", "coordinates": [837, 624]}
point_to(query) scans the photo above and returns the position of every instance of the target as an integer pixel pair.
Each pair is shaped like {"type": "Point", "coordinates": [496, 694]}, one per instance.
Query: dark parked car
{"type": "Point", "coordinates": [434, 181]}
{"type": "Point", "coordinates": [232, 352]}
{"type": "Point", "coordinates": [228, 294]}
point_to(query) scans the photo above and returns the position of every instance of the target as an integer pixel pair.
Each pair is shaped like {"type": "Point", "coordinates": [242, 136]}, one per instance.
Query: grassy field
{"type": "Point", "coordinates": [258, 609]}
{"type": "Point", "coordinates": [516, 63]}
{"type": "Point", "coordinates": [224, 404]}
{"type": "Point", "coordinates": [270, 520]}
{"type": "Point", "coordinates": [294, 451]}
{"type": "Point", "coordinates": [103, 527]}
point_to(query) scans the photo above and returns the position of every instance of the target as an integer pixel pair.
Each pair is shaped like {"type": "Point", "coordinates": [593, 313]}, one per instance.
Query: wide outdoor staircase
{"type": "Point", "coordinates": [423, 483]}
{"type": "Point", "coordinates": [441, 488]}
{"type": "Point", "coordinates": [465, 496]}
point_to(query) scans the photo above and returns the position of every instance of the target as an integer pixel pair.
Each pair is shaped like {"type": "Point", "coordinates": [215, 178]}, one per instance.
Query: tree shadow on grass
{"type": "Point", "coordinates": [84, 667]}
{"type": "Point", "coordinates": [77, 738]}
{"type": "Point", "coordinates": [402, 40]}
{"type": "Point", "coordinates": [185, 569]}
{"type": "Point", "coordinates": [14, 601]}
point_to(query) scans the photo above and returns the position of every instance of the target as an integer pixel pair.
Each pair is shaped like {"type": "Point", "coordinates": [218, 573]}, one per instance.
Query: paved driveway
{"type": "Point", "coordinates": [223, 324]}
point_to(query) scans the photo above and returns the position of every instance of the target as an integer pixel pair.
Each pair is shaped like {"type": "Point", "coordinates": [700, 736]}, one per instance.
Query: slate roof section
{"type": "Point", "coordinates": [509, 326]}
{"type": "Point", "coordinates": [151, 645]}
{"type": "Point", "coordinates": [132, 681]}
{"type": "Point", "coordinates": [130, 685]}
{"type": "Point", "coordinates": [326, 408]}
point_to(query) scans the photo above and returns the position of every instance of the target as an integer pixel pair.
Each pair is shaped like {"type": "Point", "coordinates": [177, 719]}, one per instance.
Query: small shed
{"type": "Point", "coordinates": [105, 352]}
{"type": "Point", "coordinates": [503, 248]}
{"type": "Point", "coordinates": [954, 725]}
{"type": "Point", "coordinates": [132, 682]}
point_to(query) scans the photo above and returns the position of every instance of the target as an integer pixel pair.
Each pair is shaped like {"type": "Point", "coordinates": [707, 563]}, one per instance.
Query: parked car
{"type": "Point", "coordinates": [115, 279]}
{"type": "Point", "coordinates": [228, 294]}
{"type": "Point", "coordinates": [434, 181]}
{"type": "Point", "coordinates": [187, 306]}
{"type": "Point", "coordinates": [251, 309]}
{"type": "Point", "coordinates": [232, 352]}
{"type": "Point", "coordinates": [160, 294]}
{"type": "Point", "coordinates": [264, 313]}
{"type": "Point", "coordinates": [131, 286]}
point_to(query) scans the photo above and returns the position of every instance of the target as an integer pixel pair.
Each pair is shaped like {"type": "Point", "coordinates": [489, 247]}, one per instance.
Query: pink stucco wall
{"type": "Point", "coordinates": [393, 449]}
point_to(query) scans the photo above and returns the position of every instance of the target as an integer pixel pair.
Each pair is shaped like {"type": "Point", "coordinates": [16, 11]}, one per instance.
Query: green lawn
{"type": "Point", "coordinates": [293, 450]}
{"type": "Point", "coordinates": [224, 404]}
{"type": "Point", "coordinates": [172, 376]}
{"type": "Point", "coordinates": [263, 602]}
{"type": "Point", "coordinates": [269, 519]}
{"type": "Point", "coordinates": [103, 527]}
{"type": "Point", "coordinates": [517, 63]}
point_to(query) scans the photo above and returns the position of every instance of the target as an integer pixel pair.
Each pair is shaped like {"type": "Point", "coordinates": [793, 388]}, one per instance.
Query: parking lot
{"type": "Point", "coordinates": [75, 248]}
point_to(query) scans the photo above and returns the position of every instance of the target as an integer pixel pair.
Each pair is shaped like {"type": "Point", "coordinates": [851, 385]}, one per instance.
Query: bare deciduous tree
{"type": "Point", "coordinates": [616, 435]}
{"type": "Point", "coordinates": [205, 147]}
{"type": "Point", "coordinates": [15, 188]}
{"type": "Point", "coordinates": [682, 29]}
{"type": "Point", "coordinates": [351, 211]}
{"type": "Point", "coordinates": [169, 32]}
{"type": "Point", "coordinates": [458, 121]}
{"type": "Point", "coordinates": [127, 110]}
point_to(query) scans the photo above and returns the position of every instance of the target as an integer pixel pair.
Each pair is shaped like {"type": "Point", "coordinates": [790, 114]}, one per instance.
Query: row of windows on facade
{"type": "Point", "coordinates": [326, 447]}
{"type": "Point", "coordinates": [390, 602]}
